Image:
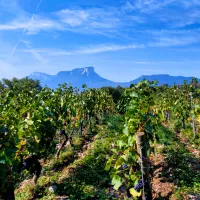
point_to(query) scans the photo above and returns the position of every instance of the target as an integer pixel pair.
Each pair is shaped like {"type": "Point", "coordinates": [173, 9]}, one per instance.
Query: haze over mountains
{"type": "Point", "coordinates": [79, 76]}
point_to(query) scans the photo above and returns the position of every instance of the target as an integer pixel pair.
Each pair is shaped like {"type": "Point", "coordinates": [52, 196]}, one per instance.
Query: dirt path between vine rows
{"type": "Point", "coordinates": [162, 188]}
{"type": "Point", "coordinates": [191, 148]}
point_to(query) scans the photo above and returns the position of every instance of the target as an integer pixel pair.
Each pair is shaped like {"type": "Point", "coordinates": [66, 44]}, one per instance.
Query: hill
{"type": "Point", "coordinates": [79, 76]}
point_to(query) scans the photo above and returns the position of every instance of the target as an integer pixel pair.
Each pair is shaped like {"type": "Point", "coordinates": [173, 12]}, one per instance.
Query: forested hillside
{"type": "Point", "coordinates": [141, 142]}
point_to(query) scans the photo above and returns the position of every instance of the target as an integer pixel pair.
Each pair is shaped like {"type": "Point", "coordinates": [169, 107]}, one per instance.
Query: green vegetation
{"type": "Point", "coordinates": [123, 143]}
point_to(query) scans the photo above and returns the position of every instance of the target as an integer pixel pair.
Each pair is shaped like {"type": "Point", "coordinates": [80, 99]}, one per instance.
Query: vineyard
{"type": "Point", "coordinates": [141, 142]}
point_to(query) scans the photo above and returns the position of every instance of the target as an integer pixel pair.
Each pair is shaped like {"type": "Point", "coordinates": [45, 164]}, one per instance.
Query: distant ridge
{"type": "Point", "coordinates": [79, 76]}
{"type": "Point", "coordinates": [164, 79]}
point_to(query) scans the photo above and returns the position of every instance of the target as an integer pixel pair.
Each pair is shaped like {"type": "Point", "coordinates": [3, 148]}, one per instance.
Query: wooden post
{"type": "Point", "coordinates": [193, 127]}
{"type": "Point", "coordinates": [167, 116]}
{"type": "Point", "coordinates": [65, 141]}
{"type": "Point", "coordinates": [81, 127]}
{"type": "Point", "coordinates": [61, 146]}
{"type": "Point", "coordinates": [144, 164]}
{"type": "Point", "coordinates": [193, 119]}
{"type": "Point", "coordinates": [89, 125]}
{"type": "Point", "coordinates": [183, 123]}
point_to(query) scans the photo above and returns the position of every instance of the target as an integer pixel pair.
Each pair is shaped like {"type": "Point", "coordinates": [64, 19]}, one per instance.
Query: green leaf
{"type": "Point", "coordinates": [8, 160]}
{"type": "Point", "coordinates": [109, 163]}
{"type": "Point", "coordinates": [134, 94]}
{"type": "Point", "coordinates": [29, 122]}
{"type": "Point", "coordinates": [149, 128]}
{"type": "Point", "coordinates": [117, 182]}
{"type": "Point", "coordinates": [7, 144]}
{"type": "Point", "coordinates": [119, 162]}
{"type": "Point", "coordinates": [126, 131]}
{"type": "Point", "coordinates": [134, 193]}
{"type": "Point", "coordinates": [131, 140]}
{"type": "Point", "coordinates": [3, 160]}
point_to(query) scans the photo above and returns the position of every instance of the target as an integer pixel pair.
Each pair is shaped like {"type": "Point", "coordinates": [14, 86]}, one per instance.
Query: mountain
{"type": "Point", "coordinates": [164, 79]}
{"type": "Point", "coordinates": [78, 77]}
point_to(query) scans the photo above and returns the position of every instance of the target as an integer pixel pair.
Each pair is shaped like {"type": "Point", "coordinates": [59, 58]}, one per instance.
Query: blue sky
{"type": "Point", "coordinates": [122, 39]}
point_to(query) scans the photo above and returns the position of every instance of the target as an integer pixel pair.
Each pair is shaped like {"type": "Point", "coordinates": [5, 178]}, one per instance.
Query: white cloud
{"type": "Point", "coordinates": [188, 18]}
{"type": "Point", "coordinates": [108, 20]}
{"type": "Point", "coordinates": [84, 50]}
{"type": "Point", "coordinates": [174, 41]}
{"type": "Point", "coordinates": [111, 22]}
{"type": "Point", "coordinates": [152, 5]}
{"type": "Point", "coordinates": [85, 21]}
{"type": "Point", "coordinates": [180, 14]}
{"type": "Point", "coordinates": [49, 52]}
{"type": "Point", "coordinates": [91, 19]}
{"type": "Point", "coordinates": [105, 20]}
{"type": "Point", "coordinates": [149, 5]}
{"type": "Point", "coordinates": [190, 3]}
{"type": "Point", "coordinates": [161, 40]}
{"type": "Point", "coordinates": [128, 6]}
{"type": "Point", "coordinates": [32, 26]}
{"type": "Point", "coordinates": [163, 62]}
{"type": "Point", "coordinates": [73, 17]}
{"type": "Point", "coordinates": [106, 48]}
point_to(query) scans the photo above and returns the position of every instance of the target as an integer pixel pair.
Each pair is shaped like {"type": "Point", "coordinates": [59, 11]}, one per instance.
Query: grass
{"type": "Point", "coordinates": [179, 166]}
{"type": "Point", "coordinates": [79, 174]}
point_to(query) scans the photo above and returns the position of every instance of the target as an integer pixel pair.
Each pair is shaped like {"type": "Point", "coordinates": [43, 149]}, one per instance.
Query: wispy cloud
{"type": "Point", "coordinates": [95, 20]}
{"type": "Point", "coordinates": [190, 3]}
{"type": "Point", "coordinates": [126, 22]}
{"type": "Point", "coordinates": [36, 54]}
{"type": "Point", "coordinates": [187, 19]}
{"type": "Point", "coordinates": [161, 41]}
{"type": "Point", "coordinates": [68, 20]}
{"type": "Point", "coordinates": [106, 48]}
{"type": "Point", "coordinates": [172, 13]}
{"type": "Point", "coordinates": [33, 15]}
{"type": "Point", "coordinates": [109, 20]}
{"type": "Point", "coordinates": [152, 5]}
{"type": "Point", "coordinates": [148, 5]}
{"type": "Point", "coordinates": [73, 18]}
{"type": "Point", "coordinates": [174, 41]}
{"type": "Point", "coordinates": [31, 27]}
{"type": "Point", "coordinates": [84, 50]}
{"type": "Point", "coordinates": [163, 62]}
{"type": "Point", "coordinates": [90, 21]}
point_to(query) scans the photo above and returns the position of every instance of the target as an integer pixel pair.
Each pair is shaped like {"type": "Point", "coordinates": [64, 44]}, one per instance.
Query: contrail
{"type": "Point", "coordinates": [38, 5]}
{"type": "Point", "coordinates": [28, 24]}
{"type": "Point", "coordinates": [15, 47]}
